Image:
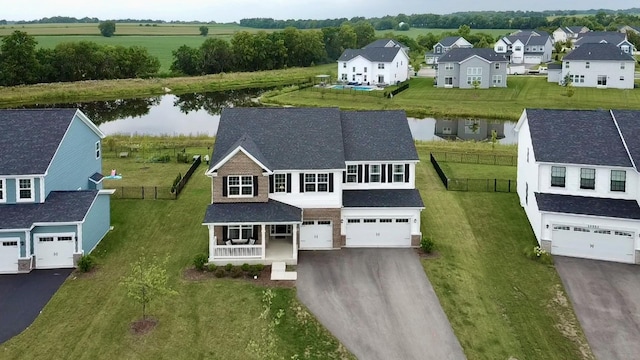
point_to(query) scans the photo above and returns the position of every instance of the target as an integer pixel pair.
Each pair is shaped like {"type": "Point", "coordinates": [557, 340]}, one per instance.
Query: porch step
{"type": "Point", "coordinates": [278, 272]}
{"type": "Point", "coordinates": [278, 266]}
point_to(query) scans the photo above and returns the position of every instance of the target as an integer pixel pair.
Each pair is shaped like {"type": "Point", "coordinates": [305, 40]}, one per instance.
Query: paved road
{"type": "Point", "coordinates": [606, 299]}
{"type": "Point", "coordinates": [22, 297]}
{"type": "Point", "coordinates": [378, 303]}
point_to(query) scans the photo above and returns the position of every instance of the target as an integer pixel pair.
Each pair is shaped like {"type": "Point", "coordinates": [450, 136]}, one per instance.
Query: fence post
{"type": "Point", "coordinates": [495, 185]}
{"type": "Point", "coordinates": [478, 158]}
{"type": "Point", "coordinates": [509, 185]}
{"type": "Point", "coordinates": [142, 187]}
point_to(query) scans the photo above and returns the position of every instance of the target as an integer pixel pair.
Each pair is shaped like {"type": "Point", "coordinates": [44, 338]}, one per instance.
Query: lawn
{"type": "Point", "coordinates": [123, 29]}
{"type": "Point", "coordinates": [477, 171]}
{"type": "Point", "coordinates": [89, 317]}
{"type": "Point", "coordinates": [423, 99]}
{"type": "Point", "coordinates": [501, 304]}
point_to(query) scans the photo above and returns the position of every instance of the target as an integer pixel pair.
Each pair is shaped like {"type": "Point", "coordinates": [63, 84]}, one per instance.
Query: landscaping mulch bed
{"type": "Point", "coordinates": [264, 278]}
{"type": "Point", "coordinates": [427, 256]}
{"type": "Point", "coordinates": [143, 326]}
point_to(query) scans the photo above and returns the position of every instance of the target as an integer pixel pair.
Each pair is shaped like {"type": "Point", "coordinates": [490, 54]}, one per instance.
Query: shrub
{"type": "Point", "coordinates": [212, 268]}
{"type": "Point", "coordinates": [259, 267]}
{"type": "Point", "coordinates": [255, 270]}
{"type": "Point", "coordinates": [86, 263]}
{"type": "Point", "coordinates": [228, 267]}
{"type": "Point", "coordinates": [245, 267]}
{"type": "Point", "coordinates": [236, 272]}
{"type": "Point", "coordinates": [199, 261]}
{"type": "Point", "coordinates": [220, 272]}
{"type": "Point", "coordinates": [538, 254]}
{"type": "Point", "coordinates": [426, 244]}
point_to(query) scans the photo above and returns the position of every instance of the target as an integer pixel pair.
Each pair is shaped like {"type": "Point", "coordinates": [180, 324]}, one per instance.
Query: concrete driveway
{"type": "Point", "coordinates": [606, 299]}
{"type": "Point", "coordinates": [22, 297]}
{"type": "Point", "coordinates": [377, 302]}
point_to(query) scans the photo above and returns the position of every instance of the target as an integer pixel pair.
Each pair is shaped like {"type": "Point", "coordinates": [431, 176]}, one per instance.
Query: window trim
{"type": "Point", "coordinates": [282, 187]}
{"type": "Point", "coordinates": [622, 182]}
{"type": "Point", "coordinates": [31, 189]}
{"type": "Point", "coordinates": [564, 177]}
{"type": "Point", "coordinates": [585, 183]}
{"type": "Point", "coordinates": [3, 190]}
{"type": "Point", "coordinates": [316, 182]}
{"type": "Point", "coordinates": [240, 186]}
{"type": "Point", "coordinates": [396, 173]}
{"type": "Point", "coordinates": [352, 174]}
{"type": "Point", "coordinates": [240, 229]}
{"type": "Point", "coordinates": [378, 173]}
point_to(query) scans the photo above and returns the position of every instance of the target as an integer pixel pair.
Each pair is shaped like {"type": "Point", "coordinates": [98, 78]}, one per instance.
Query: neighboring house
{"type": "Point", "coordinates": [445, 45]}
{"type": "Point", "coordinates": [599, 65]}
{"type": "Point", "coordinates": [627, 28]}
{"type": "Point", "coordinates": [461, 67]}
{"type": "Point", "coordinates": [578, 181]}
{"type": "Point", "coordinates": [526, 47]}
{"type": "Point", "coordinates": [52, 208]}
{"type": "Point", "coordinates": [468, 129]}
{"type": "Point", "coordinates": [554, 73]}
{"type": "Point", "coordinates": [382, 62]}
{"type": "Point", "coordinates": [611, 37]}
{"type": "Point", "coordinates": [564, 33]}
{"type": "Point", "coordinates": [284, 179]}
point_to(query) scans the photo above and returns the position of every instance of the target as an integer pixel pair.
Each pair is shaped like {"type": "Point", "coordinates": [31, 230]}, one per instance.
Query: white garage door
{"type": "Point", "coordinates": [316, 234]}
{"type": "Point", "coordinates": [600, 244]}
{"type": "Point", "coordinates": [54, 251]}
{"type": "Point", "coordinates": [378, 233]}
{"type": "Point", "coordinates": [9, 255]}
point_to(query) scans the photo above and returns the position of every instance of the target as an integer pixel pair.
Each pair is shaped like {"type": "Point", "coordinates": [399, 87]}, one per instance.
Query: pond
{"type": "Point", "coordinates": [199, 114]}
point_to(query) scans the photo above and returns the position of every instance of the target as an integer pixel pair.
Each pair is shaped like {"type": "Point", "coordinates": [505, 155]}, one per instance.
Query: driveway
{"type": "Point", "coordinates": [606, 299]}
{"type": "Point", "coordinates": [22, 297]}
{"type": "Point", "coordinates": [377, 302]}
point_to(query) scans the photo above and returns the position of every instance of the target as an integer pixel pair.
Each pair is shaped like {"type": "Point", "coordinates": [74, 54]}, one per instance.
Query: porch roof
{"type": "Point", "coordinates": [271, 211]}
{"type": "Point", "coordinates": [391, 198]}
{"type": "Point", "coordinates": [583, 205]}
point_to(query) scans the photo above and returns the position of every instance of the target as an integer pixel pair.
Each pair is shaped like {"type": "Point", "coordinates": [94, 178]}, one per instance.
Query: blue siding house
{"type": "Point", "coordinates": [52, 206]}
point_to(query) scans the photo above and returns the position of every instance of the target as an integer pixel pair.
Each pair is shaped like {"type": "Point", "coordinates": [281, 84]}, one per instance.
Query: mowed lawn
{"type": "Point", "coordinates": [423, 99]}
{"type": "Point", "coordinates": [477, 171]}
{"type": "Point", "coordinates": [89, 317]}
{"type": "Point", "coordinates": [501, 304]}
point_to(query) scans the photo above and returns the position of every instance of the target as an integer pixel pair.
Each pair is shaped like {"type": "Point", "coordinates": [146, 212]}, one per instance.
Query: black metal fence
{"type": "Point", "coordinates": [476, 185]}
{"type": "Point", "coordinates": [471, 158]}
{"type": "Point", "coordinates": [187, 175]}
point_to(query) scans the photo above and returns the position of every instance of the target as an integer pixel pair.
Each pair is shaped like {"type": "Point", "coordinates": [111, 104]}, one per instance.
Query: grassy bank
{"type": "Point", "coordinates": [423, 99]}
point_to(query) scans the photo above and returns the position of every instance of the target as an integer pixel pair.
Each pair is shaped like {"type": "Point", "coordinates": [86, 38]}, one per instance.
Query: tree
{"type": "Point", "coordinates": [365, 33]}
{"type": "Point", "coordinates": [215, 56]}
{"type": "Point", "coordinates": [107, 28]}
{"type": "Point", "coordinates": [204, 30]}
{"type": "Point", "coordinates": [464, 31]}
{"type": "Point", "coordinates": [557, 47]}
{"type": "Point", "coordinates": [18, 61]}
{"type": "Point", "coordinates": [147, 281]}
{"type": "Point", "coordinates": [186, 60]}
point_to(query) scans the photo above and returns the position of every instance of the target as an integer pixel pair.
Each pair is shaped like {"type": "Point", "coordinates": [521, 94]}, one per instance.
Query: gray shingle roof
{"type": "Point", "coordinates": [377, 135]}
{"type": "Point", "coordinates": [377, 54]}
{"type": "Point", "coordinates": [382, 198]}
{"type": "Point", "coordinates": [461, 54]}
{"type": "Point", "coordinates": [449, 40]}
{"type": "Point", "coordinates": [288, 138]}
{"type": "Point", "coordinates": [529, 39]}
{"type": "Point", "coordinates": [30, 138]}
{"type": "Point", "coordinates": [629, 124]}
{"type": "Point", "coordinates": [96, 177]}
{"type": "Point", "coordinates": [249, 145]}
{"type": "Point", "coordinates": [598, 51]}
{"type": "Point", "coordinates": [265, 212]}
{"type": "Point", "coordinates": [587, 137]}
{"type": "Point", "coordinates": [590, 37]}
{"type": "Point", "coordinates": [567, 204]}
{"type": "Point", "coordinates": [60, 206]}
{"type": "Point", "coordinates": [383, 42]}
{"type": "Point", "coordinates": [554, 66]}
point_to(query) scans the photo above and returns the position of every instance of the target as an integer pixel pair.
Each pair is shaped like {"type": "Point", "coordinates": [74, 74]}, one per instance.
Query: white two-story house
{"type": "Point", "coordinates": [444, 45]}
{"type": "Point", "coordinates": [289, 179]}
{"type": "Point", "coordinates": [601, 65]}
{"type": "Point", "coordinates": [578, 181]}
{"type": "Point", "coordinates": [611, 37]}
{"type": "Point", "coordinates": [525, 47]}
{"type": "Point", "coordinates": [564, 33]}
{"type": "Point", "coordinates": [382, 62]}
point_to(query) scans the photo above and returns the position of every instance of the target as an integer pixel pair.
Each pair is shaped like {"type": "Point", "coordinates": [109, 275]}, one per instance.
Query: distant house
{"type": "Point", "coordinates": [445, 45]}
{"type": "Point", "coordinates": [468, 129]}
{"type": "Point", "coordinates": [382, 62]}
{"type": "Point", "coordinates": [464, 67]}
{"type": "Point", "coordinates": [525, 47]}
{"type": "Point", "coordinates": [627, 28]}
{"type": "Point", "coordinates": [599, 65]}
{"type": "Point", "coordinates": [611, 37]}
{"type": "Point", "coordinates": [564, 33]}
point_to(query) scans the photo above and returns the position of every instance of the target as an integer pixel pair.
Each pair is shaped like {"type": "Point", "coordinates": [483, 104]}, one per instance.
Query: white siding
{"type": "Point", "coordinates": [376, 213]}
{"type": "Point", "coordinates": [609, 68]}
{"type": "Point", "coordinates": [380, 185]}
{"type": "Point", "coordinates": [312, 199]}
{"type": "Point", "coordinates": [527, 176]}
{"type": "Point", "coordinates": [394, 71]}
{"type": "Point", "coordinates": [603, 182]}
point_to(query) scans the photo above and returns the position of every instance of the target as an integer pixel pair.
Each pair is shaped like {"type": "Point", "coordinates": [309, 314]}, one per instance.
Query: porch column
{"type": "Point", "coordinates": [264, 240]}
{"type": "Point", "coordinates": [295, 242]}
{"type": "Point", "coordinates": [212, 242]}
{"type": "Point", "coordinates": [27, 244]}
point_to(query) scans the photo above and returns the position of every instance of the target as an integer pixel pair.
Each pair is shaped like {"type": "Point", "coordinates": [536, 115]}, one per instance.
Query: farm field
{"type": "Point", "coordinates": [414, 32]}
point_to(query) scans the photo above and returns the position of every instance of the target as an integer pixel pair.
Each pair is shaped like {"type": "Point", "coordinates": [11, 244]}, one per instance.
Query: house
{"type": "Point", "coordinates": [627, 28]}
{"type": "Point", "coordinates": [468, 129]}
{"type": "Point", "coordinates": [564, 33]}
{"type": "Point", "coordinates": [52, 206]}
{"type": "Point", "coordinates": [289, 179]}
{"type": "Point", "coordinates": [445, 45]}
{"type": "Point", "coordinates": [526, 47]}
{"type": "Point", "coordinates": [600, 65]}
{"type": "Point", "coordinates": [554, 73]}
{"type": "Point", "coordinates": [578, 181]}
{"type": "Point", "coordinates": [382, 62]}
{"type": "Point", "coordinates": [464, 68]}
{"type": "Point", "coordinates": [611, 37]}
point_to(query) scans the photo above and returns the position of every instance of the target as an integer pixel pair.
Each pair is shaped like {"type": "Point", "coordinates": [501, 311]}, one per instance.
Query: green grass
{"type": "Point", "coordinates": [501, 304]}
{"type": "Point", "coordinates": [124, 29]}
{"type": "Point", "coordinates": [423, 99]}
{"type": "Point", "coordinates": [477, 171]}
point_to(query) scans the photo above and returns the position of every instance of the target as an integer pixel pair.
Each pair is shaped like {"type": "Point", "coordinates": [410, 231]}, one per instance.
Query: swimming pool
{"type": "Point", "coordinates": [359, 88]}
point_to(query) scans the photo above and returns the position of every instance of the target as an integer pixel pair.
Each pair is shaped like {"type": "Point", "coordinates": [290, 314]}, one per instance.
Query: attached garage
{"type": "Point", "coordinates": [593, 243]}
{"type": "Point", "coordinates": [54, 250]}
{"type": "Point", "coordinates": [316, 234]}
{"type": "Point", "coordinates": [9, 253]}
{"type": "Point", "coordinates": [378, 232]}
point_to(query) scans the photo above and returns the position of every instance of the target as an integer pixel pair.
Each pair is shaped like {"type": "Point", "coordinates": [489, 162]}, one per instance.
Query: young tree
{"type": "Point", "coordinates": [107, 28]}
{"type": "Point", "coordinates": [557, 47]}
{"type": "Point", "coordinates": [147, 281]}
{"type": "Point", "coordinates": [204, 31]}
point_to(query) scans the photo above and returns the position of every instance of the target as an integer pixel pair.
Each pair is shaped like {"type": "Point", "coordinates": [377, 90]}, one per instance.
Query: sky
{"type": "Point", "coordinates": [222, 11]}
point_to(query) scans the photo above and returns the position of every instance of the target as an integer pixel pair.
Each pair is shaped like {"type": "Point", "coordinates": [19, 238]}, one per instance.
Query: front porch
{"type": "Point", "coordinates": [256, 244]}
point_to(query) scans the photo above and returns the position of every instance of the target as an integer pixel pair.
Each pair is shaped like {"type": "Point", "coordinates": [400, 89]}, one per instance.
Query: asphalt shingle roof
{"type": "Point", "coordinates": [377, 54]}
{"type": "Point", "coordinates": [583, 205]}
{"type": "Point", "coordinates": [377, 135]}
{"type": "Point", "coordinates": [598, 51]}
{"type": "Point", "coordinates": [461, 54]}
{"type": "Point", "coordinates": [271, 211]}
{"type": "Point", "coordinates": [30, 138]}
{"type": "Point", "coordinates": [590, 37]}
{"type": "Point", "coordinates": [587, 137]}
{"type": "Point", "coordinates": [60, 206]}
{"type": "Point", "coordinates": [449, 40]}
{"type": "Point", "coordinates": [383, 42]}
{"type": "Point", "coordinates": [382, 198]}
{"type": "Point", "coordinates": [629, 124]}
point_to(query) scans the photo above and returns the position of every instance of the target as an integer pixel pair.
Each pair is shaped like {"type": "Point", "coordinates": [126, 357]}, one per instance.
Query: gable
{"type": "Point", "coordinates": [242, 155]}
{"type": "Point", "coordinates": [240, 163]}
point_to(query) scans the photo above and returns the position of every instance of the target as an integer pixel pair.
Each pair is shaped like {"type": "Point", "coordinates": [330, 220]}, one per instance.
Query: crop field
{"type": "Point", "coordinates": [414, 32]}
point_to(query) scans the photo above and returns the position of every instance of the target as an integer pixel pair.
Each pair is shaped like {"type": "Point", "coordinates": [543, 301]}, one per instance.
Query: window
{"type": "Point", "coordinates": [446, 130]}
{"type": "Point", "coordinates": [352, 173]}
{"type": "Point", "coordinates": [471, 126]}
{"type": "Point", "coordinates": [580, 229]}
{"type": "Point", "coordinates": [365, 77]}
{"type": "Point", "coordinates": [577, 78]}
{"type": "Point", "coordinates": [353, 78]}
{"type": "Point", "coordinates": [621, 78]}
{"type": "Point", "coordinates": [561, 227]}
{"type": "Point", "coordinates": [386, 220]}
{"type": "Point", "coordinates": [280, 229]}
{"type": "Point", "coordinates": [526, 193]}
{"type": "Point", "coordinates": [474, 71]}
{"type": "Point", "coordinates": [280, 183]}
{"type": "Point", "coordinates": [365, 69]}
{"type": "Point", "coordinates": [588, 179]}
{"type": "Point", "coordinates": [618, 180]}
{"type": "Point", "coordinates": [497, 66]}
{"type": "Point", "coordinates": [602, 80]}
{"type": "Point", "coordinates": [604, 232]}
{"type": "Point", "coordinates": [354, 69]}
{"type": "Point", "coordinates": [518, 48]}
{"type": "Point", "coordinates": [471, 80]}
{"type": "Point", "coordinates": [587, 65]}
{"type": "Point", "coordinates": [380, 65]}
{"type": "Point", "coordinates": [398, 173]}
{"type": "Point", "coordinates": [97, 149]}
{"type": "Point", "coordinates": [3, 198]}
{"type": "Point", "coordinates": [558, 176]}
{"type": "Point", "coordinates": [25, 190]}
{"type": "Point", "coordinates": [9, 243]}
{"type": "Point", "coordinates": [240, 186]}
{"type": "Point", "coordinates": [65, 238]}
{"type": "Point", "coordinates": [46, 239]}
{"type": "Point", "coordinates": [240, 232]}
{"type": "Point", "coordinates": [344, 77]}
{"type": "Point", "coordinates": [316, 182]}
{"type": "Point", "coordinates": [370, 221]}
{"type": "Point", "coordinates": [374, 173]}
{"type": "Point", "coordinates": [500, 48]}
{"type": "Point", "coordinates": [621, 66]}
{"type": "Point", "coordinates": [402, 220]}
{"type": "Point", "coordinates": [527, 154]}
{"type": "Point", "coordinates": [344, 65]}
{"type": "Point", "coordinates": [353, 221]}
{"type": "Point", "coordinates": [623, 233]}
{"type": "Point", "coordinates": [566, 64]}
{"type": "Point", "coordinates": [448, 66]}
{"type": "Point", "coordinates": [625, 48]}
{"type": "Point", "coordinates": [448, 80]}
{"type": "Point", "coordinates": [496, 79]}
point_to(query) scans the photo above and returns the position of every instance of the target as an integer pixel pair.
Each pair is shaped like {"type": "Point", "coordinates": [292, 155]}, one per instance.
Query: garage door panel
{"type": "Point", "coordinates": [382, 232]}
{"type": "Point", "coordinates": [54, 251]}
{"type": "Point", "coordinates": [599, 244]}
{"type": "Point", "coordinates": [316, 234]}
{"type": "Point", "coordinates": [9, 255]}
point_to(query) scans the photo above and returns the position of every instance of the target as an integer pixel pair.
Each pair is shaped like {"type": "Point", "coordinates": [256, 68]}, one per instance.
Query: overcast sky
{"type": "Point", "coordinates": [234, 10]}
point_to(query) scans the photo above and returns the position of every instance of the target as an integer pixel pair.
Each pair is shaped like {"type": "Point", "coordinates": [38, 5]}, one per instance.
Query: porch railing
{"type": "Point", "coordinates": [237, 251]}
